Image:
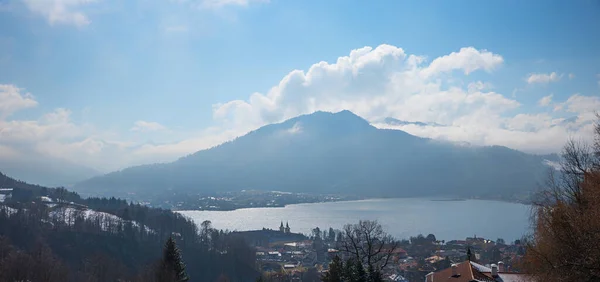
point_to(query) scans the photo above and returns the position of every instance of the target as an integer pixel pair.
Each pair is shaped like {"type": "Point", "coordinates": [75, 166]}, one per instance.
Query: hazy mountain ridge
{"type": "Point", "coordinates": [335, 153]}
{"type": "Point", "coordinates": [47, 171]}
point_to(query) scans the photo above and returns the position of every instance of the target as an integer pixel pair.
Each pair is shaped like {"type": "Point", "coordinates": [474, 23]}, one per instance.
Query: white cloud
{"type": "Point", "coordinates": [216, 4]}
{"type": "Point", "coordinates": [467, 59]}
{"type": "Point", "coordinates": [386, 82]}
{"type": "Point", "coordinates": [150, 153]}
{"type": "Point", "coordinates": [584, 106]}
{"type": "Point", "coordinates": [54, 135]}
{"type": "Point", "coordinates": [479, 86]}
{"type": "Point", "coordinates": [223, 3]}
{"type": "Point", "coordinates": [372, 82]}
{"type": "Point", "coordinates": [12, 100]}
{"type": "Point", "coordinates": [61, 11]}
{"type": "Point", "coordinates": [146, 126]}
{"type": "Point", "coordinates": [545, 101]}
{"type": "Point", "coordinates": [543, 78]}
{"type": "Point", "coordinates": [530, 133]}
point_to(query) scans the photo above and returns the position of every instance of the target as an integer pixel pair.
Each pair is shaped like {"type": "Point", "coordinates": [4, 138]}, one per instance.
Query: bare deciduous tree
{"type": "Point", "coordinates": [366, 242]}
{"type": "Point", "coordinates": [565, 245]}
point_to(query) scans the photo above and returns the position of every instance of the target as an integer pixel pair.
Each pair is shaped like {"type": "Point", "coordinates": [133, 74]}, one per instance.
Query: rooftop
{"type": "Point", "coordinates": [469, 271]}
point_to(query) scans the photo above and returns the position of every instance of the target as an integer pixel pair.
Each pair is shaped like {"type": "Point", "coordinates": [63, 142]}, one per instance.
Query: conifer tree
{"type": "Point", "coordinates": [172, 268]}
{"type": "Point", "coordinates": [374, 275]}
{"type": "Point", "coordinates": [335, 272]}
{"type": "Point", "coordinates": [354, 271]}
{"type": "Point", "coordinates": [360, 273]}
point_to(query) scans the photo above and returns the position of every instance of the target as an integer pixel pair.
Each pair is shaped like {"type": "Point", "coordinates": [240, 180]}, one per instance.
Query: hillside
{"type": "Point", "coordinates": [335, 153]}
{"type": "Point", "coordinates": [49, 234]}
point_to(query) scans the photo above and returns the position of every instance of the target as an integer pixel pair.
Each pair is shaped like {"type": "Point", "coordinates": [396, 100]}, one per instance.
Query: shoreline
{"type": "Point", "coordinates": [362, 200]}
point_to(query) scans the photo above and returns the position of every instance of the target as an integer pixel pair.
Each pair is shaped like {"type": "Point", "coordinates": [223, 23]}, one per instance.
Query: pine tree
{"type": "Point", "coordinates": [360, 273]}
{"type": "Point", "coordinates": [354, 271]}
{"type": "Point", "coordinates": [335, 272]}
{"type": "Point", "coordinates": [172, 268]}
{"type": "Point", "coordinates": [374, 275]}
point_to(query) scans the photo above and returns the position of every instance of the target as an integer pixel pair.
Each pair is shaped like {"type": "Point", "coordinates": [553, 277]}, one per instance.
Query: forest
{"type": "Point", "coordinates": [52, 234]}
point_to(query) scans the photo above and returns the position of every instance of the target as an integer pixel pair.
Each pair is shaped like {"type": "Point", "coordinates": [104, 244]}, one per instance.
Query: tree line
{"type": "Point", "coordinates": [110, 240]}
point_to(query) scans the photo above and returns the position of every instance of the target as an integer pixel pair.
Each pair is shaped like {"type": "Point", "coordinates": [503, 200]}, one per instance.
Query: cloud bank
{"type": "Point", "coordinates": [374, 83]}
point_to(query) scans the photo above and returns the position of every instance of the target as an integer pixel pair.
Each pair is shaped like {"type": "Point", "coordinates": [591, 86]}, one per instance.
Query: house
{"type": "Point", "coordinates": [469, 271]}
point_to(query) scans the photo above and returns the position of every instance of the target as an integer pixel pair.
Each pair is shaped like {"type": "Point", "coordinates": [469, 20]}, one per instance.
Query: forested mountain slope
{"type": "Point", "coordinates": [54, 233]}
{"type": "Point", "coordinates": [335, 153]}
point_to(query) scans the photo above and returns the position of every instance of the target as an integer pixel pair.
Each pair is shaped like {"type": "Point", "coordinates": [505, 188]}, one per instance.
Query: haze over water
{"type": "Point", "coordinates": [402, 217]}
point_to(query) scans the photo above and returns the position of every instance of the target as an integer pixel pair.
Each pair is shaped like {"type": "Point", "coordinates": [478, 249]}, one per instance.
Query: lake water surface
{"type": "Point", "coordinates": [402, 217]}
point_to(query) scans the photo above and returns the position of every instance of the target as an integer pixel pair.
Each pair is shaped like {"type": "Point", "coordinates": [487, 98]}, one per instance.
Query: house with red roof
{"type": "Point", "coordinates": [469, 271]}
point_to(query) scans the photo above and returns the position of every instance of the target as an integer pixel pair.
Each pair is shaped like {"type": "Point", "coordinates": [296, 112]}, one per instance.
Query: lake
{"type": "Point", "coordinates": [402, 218]}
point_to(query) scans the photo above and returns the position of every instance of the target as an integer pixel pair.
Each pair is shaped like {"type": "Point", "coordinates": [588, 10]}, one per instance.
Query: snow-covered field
{"type": "Point", "coordinates": [69, 215]}
{"type": "Point", "coordinates": [107, 220]}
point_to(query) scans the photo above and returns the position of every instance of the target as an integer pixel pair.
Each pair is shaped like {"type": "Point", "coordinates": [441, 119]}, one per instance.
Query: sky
{"type": "Point", "coordinates": [109, 84]}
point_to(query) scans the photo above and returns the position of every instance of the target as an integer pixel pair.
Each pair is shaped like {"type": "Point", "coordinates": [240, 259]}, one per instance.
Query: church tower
{"type": "Point", "coordinates": [287, 228]}
{"type": "Point", "coordinates": [281, 227]}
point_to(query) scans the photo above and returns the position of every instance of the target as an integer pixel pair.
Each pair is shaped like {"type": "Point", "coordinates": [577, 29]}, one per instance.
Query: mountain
{"type": "Point", "coordinates": [46, 171]}
{"type": "Point", "coordinates": [335, 153]}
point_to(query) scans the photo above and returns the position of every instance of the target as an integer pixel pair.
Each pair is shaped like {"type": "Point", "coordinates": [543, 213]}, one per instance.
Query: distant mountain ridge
{"type": "Point", "coordinates": [335, 153]}
{"type": "Point", "coordinates": [46, 171]}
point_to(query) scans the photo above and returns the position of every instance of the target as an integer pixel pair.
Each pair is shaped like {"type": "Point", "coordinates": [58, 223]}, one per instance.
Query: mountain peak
{"type": "Point", "coordinates": [338, 122]}
{"type": "Point", "coordinates": [338, 152]}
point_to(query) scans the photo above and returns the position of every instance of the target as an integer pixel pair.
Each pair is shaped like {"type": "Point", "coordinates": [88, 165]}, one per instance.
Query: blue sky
{"type": "Point", "coordinates": [107, 83]}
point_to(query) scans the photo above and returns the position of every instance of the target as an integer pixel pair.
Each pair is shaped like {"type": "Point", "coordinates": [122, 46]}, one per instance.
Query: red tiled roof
{"type": "Point", "coordinates": [463, 270]}
{"type": "Point", "coordinates": [467, 272]}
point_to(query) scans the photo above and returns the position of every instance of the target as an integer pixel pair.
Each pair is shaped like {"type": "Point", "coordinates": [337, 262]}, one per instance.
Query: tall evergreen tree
{"type": "Point", "coordinates": [331, 235]}
{"type": "Point", "coordinates": [335, 272]}
{"type": "Point", "coordinates": [354, 271]}
{"type": "Point", "coordinates": [171, 268]}
{"type": "Point", "coordinates": [359, 272]}
{"type": "Point", "coordinates": [374, 275]}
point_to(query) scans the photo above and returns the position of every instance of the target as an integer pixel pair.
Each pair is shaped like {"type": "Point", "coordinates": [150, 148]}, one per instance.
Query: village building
{"type": "Point", "coordinates": [285, 229]}
{"type": "Point", "coordinates": [469, 271]}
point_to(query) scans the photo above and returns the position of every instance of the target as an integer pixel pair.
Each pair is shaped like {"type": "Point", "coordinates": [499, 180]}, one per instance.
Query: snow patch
{"type": "Point", "coordinates": [8, 210]}
{"type": "Point", "coordinates": [107, 221]}
{"type": "Point", "coordinates": [297, 128]}
{"type": "Point", "coordinates": [46, 199]}
{"type": "Point", "coordinates": [552, 164]}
